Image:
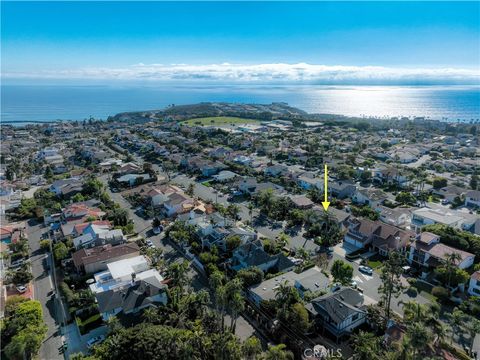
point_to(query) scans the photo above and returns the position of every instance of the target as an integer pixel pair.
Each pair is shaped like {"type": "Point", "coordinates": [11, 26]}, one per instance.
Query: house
{"type": "Point", "coordinates": [310, 280]}
{"type": "Point", "coordinates": [212, 234]}
{"type": "Point", "coordinates": [340, 189]}
{"type": "Point", "coordinates": [81, 210]}
{"type": "Point", "coordinates": [10, 233]}
{"type": "Point", "coordinates": [96, 235]}
{"type": "Point", "coordinates": [66, 187]}
{"type": "Point", "coordinates": [395, 217]}
{"type": "Point", "coordinates": [472, 198]}
{"type": "Point", "coordinates": [251, 186]}
{"type": "Point", "coordinates": [253, 254]}
{"type": "Point", "coordinates": [307, 182]}
{"type": "Point", "coordinates": [380, 237]}
{"type": "Point", "coordinates": [426, 216]}
{"type": "Point", "coordinates": [428, 252]}
{"type": "Point", "coordinates": [132, 179]}
{"type": "Point", "coordinates": [302, 202]}
{"type": "Point", "coordinates": [211, 168]}
{"type": "Point", "coordinates": [178, 203]}
{"type": "Point", "coordinates": [474, 285]}
{"type": "Point", "coordinates": [369, 196]}
{"type": "Point", "coordinates": [389, 175]}
{"type": "Point", "coordinates": [95, 259]}
{"type": "Point", "coordinates": [276, 170]}
{"type": "Point", "coordinates": [128, 286]}
{"type": "Point", "coordinates": [338, 313]}
{"type": "Point", "coordinates": [450, 192]}
{"type": "Point", "coordinates": [129, 168]}
{"type": "Point", "coordinates": [225, 175]}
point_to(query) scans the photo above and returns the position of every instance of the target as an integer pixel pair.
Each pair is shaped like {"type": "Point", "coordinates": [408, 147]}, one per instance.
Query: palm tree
{"type": "Point", "coordinates": [233, 210]}
{"type": "Point", "coordinates": [366, 345]}
{"type": "Point", "coordinates": [451, 266]}
{"type": "Point", "coordinates": [420, 337]}
{"type": "Point", "coordinates": [456, 320]}
{"type": "Point", "coordinates": [277, 352]}
{"type": "Point", "coordinates": [250, 212]}
{"type": "Point", "coordinates": [473, 327]}
{"type": "Point", "coordinates": [150, 314]}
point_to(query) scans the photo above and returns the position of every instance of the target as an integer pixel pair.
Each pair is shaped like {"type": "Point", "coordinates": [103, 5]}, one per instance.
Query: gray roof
{"type": "Point", "coordinates": [339, 305]}
{"type": "Point", "coordinates": [131, 297]}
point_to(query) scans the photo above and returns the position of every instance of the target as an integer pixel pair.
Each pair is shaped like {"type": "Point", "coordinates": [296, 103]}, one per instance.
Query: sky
{"type": "Point", "coordinates": [271, 42]}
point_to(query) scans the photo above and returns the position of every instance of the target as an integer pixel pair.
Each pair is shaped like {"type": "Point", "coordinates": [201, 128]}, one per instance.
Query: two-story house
{"type": "Point", "coordinates": [338, 313]}
{"type": "Point", "coordinates": [472, 198]}
{"type": "Point", "coordinates": [379, 237]}
{"type": "Point", "coordinates": [427, 252]}
{"type": "Point", "coordinates": [128, 286]}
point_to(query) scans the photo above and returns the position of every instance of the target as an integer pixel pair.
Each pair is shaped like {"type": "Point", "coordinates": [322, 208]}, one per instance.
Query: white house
{"type": "Point", "coordinates": [472, 198]}
{"type": "Point", "coordinates": [426, 216]}
{"type": "Point", "coordinates": [128, 285]}
{"type": "Point", "coordinates": [428, 252]}
{"type": "Point", "coordinates": [474, 285]}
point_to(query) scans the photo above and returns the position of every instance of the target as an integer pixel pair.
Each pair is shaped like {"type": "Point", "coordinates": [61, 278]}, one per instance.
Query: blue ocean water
{"type": "Point", "coordinates": [66, 102]}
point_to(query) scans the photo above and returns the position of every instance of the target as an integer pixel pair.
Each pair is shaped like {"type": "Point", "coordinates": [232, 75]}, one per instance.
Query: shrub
{"type": "Point", "coordinates": [440, 292]}
{"type": "Point", "coordinates": [45, 244]}
{"type": "Point", "coordinates": [412, 291]}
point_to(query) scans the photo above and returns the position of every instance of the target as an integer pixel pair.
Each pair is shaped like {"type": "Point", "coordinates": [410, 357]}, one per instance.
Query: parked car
{"type": "Point", "coordinates": [353, 284]}
{"type": "Point", "coordinates": [95, 340]}
{"type": "Point", "coordinates": [21, 289]}
{"type": "Point", "coordinates": [157, 230]}
{"type": "Point", "coordinates": [149, 243]}
{"type": "Point", "coordinates": [365, 269]}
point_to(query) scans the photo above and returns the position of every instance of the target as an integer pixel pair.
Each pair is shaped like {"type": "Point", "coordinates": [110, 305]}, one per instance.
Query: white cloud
{"type": "Point", "coordinates": [263, 73]}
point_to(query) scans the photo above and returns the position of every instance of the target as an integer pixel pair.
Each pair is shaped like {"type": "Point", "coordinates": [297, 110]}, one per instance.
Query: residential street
{"type": "Point", "coordinates": [43, 284]}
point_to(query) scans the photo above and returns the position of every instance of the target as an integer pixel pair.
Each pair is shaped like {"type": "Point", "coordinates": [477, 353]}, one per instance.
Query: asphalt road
{"type": "Point", "coordinates": [43, 284]}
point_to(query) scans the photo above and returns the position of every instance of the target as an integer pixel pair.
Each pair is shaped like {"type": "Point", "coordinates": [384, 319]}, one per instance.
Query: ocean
{"type": "Point", "coordinates": [25, 103]}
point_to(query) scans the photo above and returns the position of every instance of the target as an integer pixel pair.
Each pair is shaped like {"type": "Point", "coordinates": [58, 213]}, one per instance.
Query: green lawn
{"type": "Point", "coordinates": [219, 121]}
{"type": "Point", "coordinates": [374, 263]}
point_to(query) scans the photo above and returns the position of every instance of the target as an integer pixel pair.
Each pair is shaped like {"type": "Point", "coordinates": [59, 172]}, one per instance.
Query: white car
{"type": "Point", "coordinates": [353, 284]}
{"type": "Point", "coordinates": [365, 269]}
{"type": "Point", "coordinates": [95, 340]}
{"type": "Point", "coordinates": [149, 243]}
{"type": "Point", "coordinates": [21, 289]}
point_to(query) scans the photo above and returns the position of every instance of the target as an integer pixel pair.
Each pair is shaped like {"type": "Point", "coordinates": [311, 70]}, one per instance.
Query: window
{"type": "Point", "coordinates": [355, 317]}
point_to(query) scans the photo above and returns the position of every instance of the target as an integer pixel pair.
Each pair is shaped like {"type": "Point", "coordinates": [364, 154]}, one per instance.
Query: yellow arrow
{"type": "Point", "coordinates": [326, 203]}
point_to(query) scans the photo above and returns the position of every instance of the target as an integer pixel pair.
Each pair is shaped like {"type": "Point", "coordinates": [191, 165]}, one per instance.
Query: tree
{"type": "Point", "coordinates": [277, 352]}
{"type": "Point", "coordinates": [48, 173]}
{"type": "Point", "coordinates": [366, 346]}
{"type": "Point", "coordinates": [60, 251]}
{"type": "Point", "coordinates": [23, 330]}
{"type": "Point", "coordinates": [474, 182]}
{"type": "Point", "coordinates": [450, 264]}
{"type": "Point", "coordinates": [191, 189]}
{"type": "Point", "coordinates": [390, 275]}
{"type": "Point", "coordinates": [406, 198]}
{"type": "Point", "coordinates": [251, 348]}
{"type": "Point", "coordinates": [342, 272]}
{"type": "Point", "coordinates": [233, 242]}
{"type": "Point", "coordinates": [250, 212]}
{"type": "Point", "coordinates": [297, 317]}
{"type": "Point", "coordinates": [419, 337]}
{"type": "Point", "coordinates": [439, 182]}
{"type": "Point", "coordinates": [20, 276]}
{"type": "Point", "coordinates": [473, 328]}
{"type": "Point", "coordinates": [250, 276]}
{"type": "Point", "coordinates": [233, 212]}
